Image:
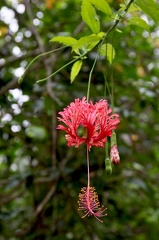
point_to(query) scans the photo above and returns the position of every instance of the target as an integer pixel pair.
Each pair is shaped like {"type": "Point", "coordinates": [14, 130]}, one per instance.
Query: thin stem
{"type": "Point", "coordinates": [111, 76]}
{"type": "Point", "coordinates": [106, 150]}
{"type": "Point", "coordinates": [90, 75]}
{"type": "Point", "coordinates": [105, 72]}
{"type": "Point", "coordinates": [101, 43]}
{"type": "Point", "coordinates": [106, 86]}
{"type": "Point", "coordinates": [67, 64]}
{"type": "Point", "coordinates": [40, 55]}
{"type": "Point", "coordinates": [117, 20]}
{"type": "Point", "coordinates": [88, 168]}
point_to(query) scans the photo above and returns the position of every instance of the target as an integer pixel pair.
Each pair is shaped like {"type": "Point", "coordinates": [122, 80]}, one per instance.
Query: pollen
{"type": "Point", "coordinates": [89, 203]}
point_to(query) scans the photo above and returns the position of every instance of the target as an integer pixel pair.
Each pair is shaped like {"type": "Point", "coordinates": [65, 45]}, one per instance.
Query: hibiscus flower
{"type": "Point", "coordinates": [96, 121]}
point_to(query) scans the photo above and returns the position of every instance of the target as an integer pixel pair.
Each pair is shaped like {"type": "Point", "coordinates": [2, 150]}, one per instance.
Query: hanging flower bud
{"type": "Point", "coordinates": [108, 166]}
{"type": "Point", "coordinates": [114, 154]}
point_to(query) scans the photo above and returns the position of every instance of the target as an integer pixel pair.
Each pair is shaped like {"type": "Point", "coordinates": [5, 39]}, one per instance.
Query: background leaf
{"type": "Point", "coordinates": [89, 16]}
{"type": "Point", "coordinates": [108, 51]}
{"type": "Point", "coordinates": [36, 132]}
{"type": "Point", "coordinates": [138, 22]}
{"type": "Point", "coordinates": [150, 7]}
{"type": "Point", "coordinates": [102, 5]}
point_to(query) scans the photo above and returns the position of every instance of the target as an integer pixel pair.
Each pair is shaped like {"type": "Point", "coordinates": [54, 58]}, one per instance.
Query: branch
{"type": "Point", "coordinates": [45, 201]}
{"type": "Point", "coordinates": [23, 231]}
{"type": "Point", "coordinates": [12, 84]}
{"type": "Point", "coordinates": [118, 19]}
{"type": "Point", "coordinates": [10, 197]}
{"type": "Point", "coordinates": [32, 27]}
{"type": "Point", "coordinates": [12, 194]}
{"type": "Point", "coordinates": [54, 139]}
{"type": "Point", "coordinates": [42, 50]}
{"type": "Point", "coordinates": [79, 28]}
{"type": "Point", "coordinates": [15, 58]}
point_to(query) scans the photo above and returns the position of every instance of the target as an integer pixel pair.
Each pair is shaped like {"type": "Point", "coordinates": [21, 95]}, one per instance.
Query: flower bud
{"type": "Point", "coordinates": [114, 155]}
{"type": "Point", "coordinates": [108, 167]}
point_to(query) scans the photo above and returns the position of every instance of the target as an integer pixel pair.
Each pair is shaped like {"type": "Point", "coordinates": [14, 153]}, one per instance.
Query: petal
{"type": "Point", "coordinates": [96, 118]}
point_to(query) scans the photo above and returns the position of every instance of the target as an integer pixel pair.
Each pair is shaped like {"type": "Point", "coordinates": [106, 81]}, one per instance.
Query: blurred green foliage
{"type": "Point", "coordinates": [40, 177]}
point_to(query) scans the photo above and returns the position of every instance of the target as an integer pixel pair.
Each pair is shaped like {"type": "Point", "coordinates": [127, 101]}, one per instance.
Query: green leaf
{"type": "Point", "coordinates": [150, 7]}
{"type": "Point", "coordinates": [75, 69]}
{"type": "Point", "coordinates": [102, 5]}
{"type": "Point", "coordinates": [138, 22]}
{"type": "Point", "coordinates": [68, 41]}
{"type": "Point", "coordinates": [36, 132]}
{"type": "Point", "coordinates": [89, 16]}
{"type": "Point", "coordinates": [87, 43]}
{"type": "Point", "coordinates": [132, 8]}
{"type": "Point", "coordinates": [108, 51]}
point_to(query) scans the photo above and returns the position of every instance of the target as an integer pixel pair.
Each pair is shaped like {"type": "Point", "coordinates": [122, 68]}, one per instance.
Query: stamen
{"type": "Point", "coordinates": [89, 203]}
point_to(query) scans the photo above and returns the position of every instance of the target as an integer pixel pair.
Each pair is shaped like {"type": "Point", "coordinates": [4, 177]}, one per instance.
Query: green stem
{"type": "Point", "coordinates": [111, 77]}
{"type": "Point", "coordinates": [108, 167]}
{"type": "Point", "coordinates": [113, 139]}
{"type": "Point", "coordinates": [90, 77]}
{"type": "Point", "coordinates": [105, 72]}
{"type": "Point", "coordinates": [107, 150]}
{"type": "Point", "coordinates": [106, 86]}
{"type": "Point", "coordinates": [101, 43]}
{"type": "Point", "coordinates": [119, 17]}
{"type": "Point", "coordinates": [74, 60]}
{"type": "Point", "coordinates": [40, 55]}
{"type": "Point", "coordinates": [88, 184]}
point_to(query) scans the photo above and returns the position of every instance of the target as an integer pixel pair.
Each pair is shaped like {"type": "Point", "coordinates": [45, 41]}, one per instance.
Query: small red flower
{"type": "Point", "coordinates": [96, 119]}
{"type": "Point", "coordinates": [89, 203]}
{"type": "Point", "coordinates": [114, 155]}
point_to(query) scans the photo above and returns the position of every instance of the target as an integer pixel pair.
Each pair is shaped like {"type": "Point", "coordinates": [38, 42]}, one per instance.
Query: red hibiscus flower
{"type": "Point", "coordinates": [96, 120]}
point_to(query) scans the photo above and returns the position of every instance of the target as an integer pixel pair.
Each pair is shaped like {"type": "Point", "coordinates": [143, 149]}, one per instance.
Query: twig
{"type": "Point", "coordinates": [42, 50]}
{"type": "Point", "coordinates": [45, 201]}
{"type": "Point", "coordinates": [12, 194]}
{"type": "Point", "coordinates": [9, 85]}
{"type": "Point", "coordinates": [15, 58]}
{"type": "Point", "coordinates": [10, 197]}
{"type": "Point", "coordinates": [79, 28]}
{"type": "Point", "coordinates": [54, 138]}
{"type": "Point", "coordinates": [21, 232]}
